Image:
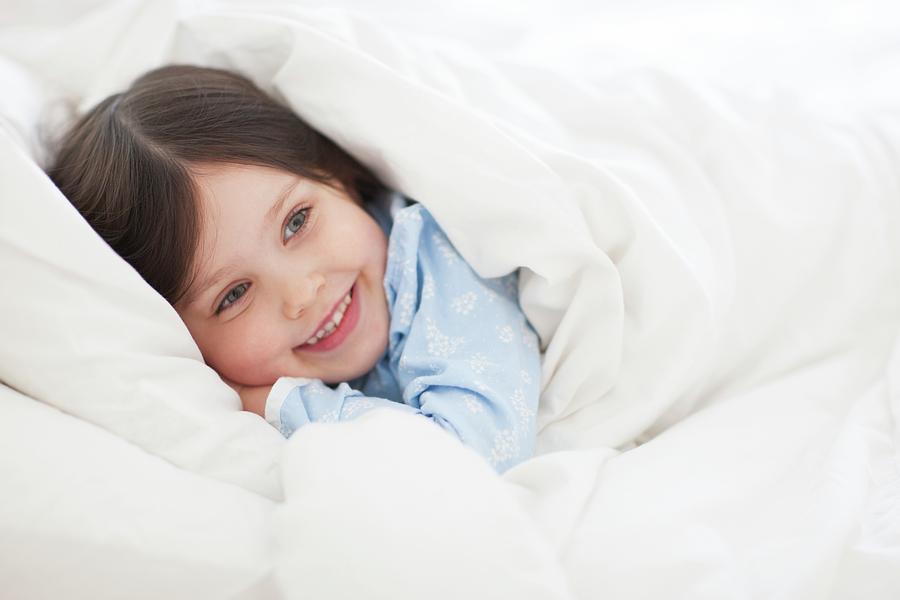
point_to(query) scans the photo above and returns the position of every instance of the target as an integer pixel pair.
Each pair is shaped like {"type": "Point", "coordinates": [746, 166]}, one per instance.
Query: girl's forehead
{"type": "Point", "coordinates": [245, 193]}
{"type": "Point", "coordinates": [226, 180]}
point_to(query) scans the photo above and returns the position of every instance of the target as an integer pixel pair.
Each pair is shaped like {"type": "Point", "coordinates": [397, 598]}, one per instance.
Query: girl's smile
{"type": "Point", "coordinates": [288, 278]}
{"type": "Point", "coordinates": [335, 327]}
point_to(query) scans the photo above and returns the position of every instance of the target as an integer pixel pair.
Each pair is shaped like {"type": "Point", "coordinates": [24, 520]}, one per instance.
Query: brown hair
{"type": "Point", "coordinates": [126, 164]}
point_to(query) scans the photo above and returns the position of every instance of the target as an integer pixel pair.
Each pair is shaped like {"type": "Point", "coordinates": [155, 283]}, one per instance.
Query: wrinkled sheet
{"type": "Point", "coordinates": [714, 271]}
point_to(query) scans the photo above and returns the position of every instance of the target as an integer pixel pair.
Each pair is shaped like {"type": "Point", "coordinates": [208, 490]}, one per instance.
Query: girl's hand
{"type": "Point", "coordinates": [253, 397]}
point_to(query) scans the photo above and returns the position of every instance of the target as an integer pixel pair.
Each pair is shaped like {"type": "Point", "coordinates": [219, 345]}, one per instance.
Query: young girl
{"type": "Point", "coordinates": [309, 287]}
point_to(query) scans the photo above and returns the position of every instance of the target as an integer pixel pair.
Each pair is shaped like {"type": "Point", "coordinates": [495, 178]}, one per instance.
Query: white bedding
{"type": "Point", "coordinates": [709, 253]}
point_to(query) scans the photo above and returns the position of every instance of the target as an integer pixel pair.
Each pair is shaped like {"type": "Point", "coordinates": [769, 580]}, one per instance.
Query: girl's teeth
{"type": "Point", "coordinates": [336, 319]}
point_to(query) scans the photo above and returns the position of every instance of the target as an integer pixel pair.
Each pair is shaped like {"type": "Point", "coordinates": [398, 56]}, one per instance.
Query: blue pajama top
{"type": "Point", "coordinates": [460, 350]}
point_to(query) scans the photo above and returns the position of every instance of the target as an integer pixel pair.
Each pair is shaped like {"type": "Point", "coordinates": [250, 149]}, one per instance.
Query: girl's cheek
{"type": "Point", "coordinates": [249, 354]}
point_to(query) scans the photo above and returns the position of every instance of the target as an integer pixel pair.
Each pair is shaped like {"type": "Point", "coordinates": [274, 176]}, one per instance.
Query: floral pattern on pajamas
{"type": "Point", "coordinates": [460, 351]}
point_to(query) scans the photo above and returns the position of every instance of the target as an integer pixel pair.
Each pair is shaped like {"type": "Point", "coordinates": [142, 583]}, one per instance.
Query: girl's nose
{"type": "Point", "coordinates": [300, 294]}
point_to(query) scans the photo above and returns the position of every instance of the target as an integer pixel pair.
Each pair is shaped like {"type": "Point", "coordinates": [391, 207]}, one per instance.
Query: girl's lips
{"type": "Point", "coordinates": [340, 333]}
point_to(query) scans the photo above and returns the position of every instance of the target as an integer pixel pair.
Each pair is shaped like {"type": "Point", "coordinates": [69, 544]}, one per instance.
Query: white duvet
{"type": "Point", "coordinates": [711, 259]}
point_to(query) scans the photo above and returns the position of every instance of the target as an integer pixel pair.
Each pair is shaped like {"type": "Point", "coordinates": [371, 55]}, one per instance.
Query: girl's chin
{"type": "Point", "coordinates": [357, 366]}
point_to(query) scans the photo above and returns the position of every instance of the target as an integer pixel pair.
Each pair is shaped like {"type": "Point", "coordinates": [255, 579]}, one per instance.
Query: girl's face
{"type": "Point", "coordinates": [288, 278]}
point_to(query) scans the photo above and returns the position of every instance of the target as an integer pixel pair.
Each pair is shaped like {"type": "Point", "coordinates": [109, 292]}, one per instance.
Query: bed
{"type": "Point", "coordinates": [703, 202]}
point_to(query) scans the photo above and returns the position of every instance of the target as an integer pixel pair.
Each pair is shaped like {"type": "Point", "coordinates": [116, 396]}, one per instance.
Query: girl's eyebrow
{"type": "Point", "coordinates": [194, 293]}
{"type": "Point", "coordinates": [279, 202]}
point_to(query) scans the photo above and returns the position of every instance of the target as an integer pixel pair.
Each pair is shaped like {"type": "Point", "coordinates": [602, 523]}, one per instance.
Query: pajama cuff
{"type": "Point", "coordinates": [278, 394]}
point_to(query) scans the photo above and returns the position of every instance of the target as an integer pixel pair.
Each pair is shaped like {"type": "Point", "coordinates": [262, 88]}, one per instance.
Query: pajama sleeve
{"type": "Point", "coordinates": [461, 352]}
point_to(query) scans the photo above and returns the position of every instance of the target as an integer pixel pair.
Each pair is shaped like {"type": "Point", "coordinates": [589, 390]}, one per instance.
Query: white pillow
{"type": "Point", "coordinates": [83, 332]}
{"type": "Point", "coordinates": [20, 104]}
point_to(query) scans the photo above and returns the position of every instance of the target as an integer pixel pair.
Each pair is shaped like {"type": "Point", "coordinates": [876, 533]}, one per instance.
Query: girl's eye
{"type": "Point", "coordinates": [295, 223]}
{"type": "Point", "coordinates": [233, 295]}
